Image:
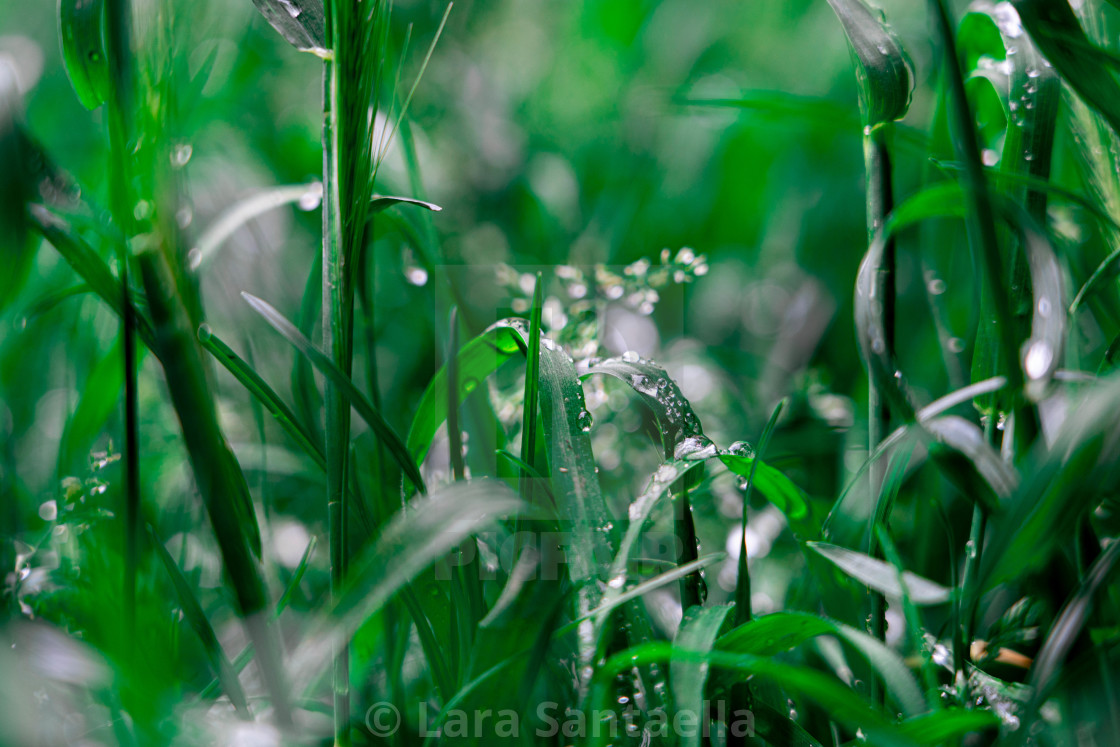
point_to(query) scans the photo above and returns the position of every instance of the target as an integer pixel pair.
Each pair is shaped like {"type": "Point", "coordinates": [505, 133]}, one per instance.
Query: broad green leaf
{"type": "Point", "coordinates": [476, 360]}
{"type": "Point", "coordinates": [882, 72]}
{"type": "Point", "coordinates": [698, 632]}
{"type": "Point", "coordinates": [358, 400]}
{"type": "Point", "coordinates": [882, 576]}
{"type": "Point", "coordinates": [301, 22]}
{"type": "Point", "coordinates": [81, 26]}
{"type": "Point", "coordinates": [781, 631]}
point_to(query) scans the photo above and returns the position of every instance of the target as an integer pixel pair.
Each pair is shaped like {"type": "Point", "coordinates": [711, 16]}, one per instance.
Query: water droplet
{"type": "Point", "coordinates": [416, 275]}
{"type": "Point", "coordinates": [312, 198]}
{"type": "Point", "coordinates": [741, 448]}
{"type": "Point", "coordinates": [956, 345]}
{"type": "Point", "coordinates": [694, 448]}
{"type": "Point", "coordinates": [1038, 359]}
{"type": "Point", "coordinates": [584, 420]}
{"type": "Point", "coordinates": [48, 510]}
{"type": "Point", "coordinates": [631, 357]}
{"type": "Point", "coordinates": [181, 155]}
{"type": "Point", "coordinates": [936, 286]}
{"type": "Point", "coordinates": [1044, 307]}
{"type": "Point", "coordinates": [1033, 72]}
{"type": "Point", "coordinates": [142, 210]}
{"type": "Point", "coordinates": [989, 157]}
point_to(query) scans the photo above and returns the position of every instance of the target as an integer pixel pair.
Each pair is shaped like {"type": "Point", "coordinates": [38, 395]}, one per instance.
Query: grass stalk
{"type": "Point", "coordinates": [118, 41]}
{"type": "Point", "coordinates": [880, 202]}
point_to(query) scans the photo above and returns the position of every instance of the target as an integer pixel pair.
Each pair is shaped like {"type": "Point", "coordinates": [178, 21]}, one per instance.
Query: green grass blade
{"type": "Point", "coordinates": [358, 400]}
{"type": "Point", "coordinates": [743, 580]}
{"type": "Point", "coordinates": [197, 619]}
{"type": "Point", "coordinates": [81, 26]}
{"type": "Point", "coordinates": [698, 632]}
{"type": "Point", "coordinates": [263, 393]}
{"type": "Point", "coordinates": [781, 631]}
{"type": "Point", "coordinates": [532, 390]}
{"type": "Point", "coordinates": [882, 576]}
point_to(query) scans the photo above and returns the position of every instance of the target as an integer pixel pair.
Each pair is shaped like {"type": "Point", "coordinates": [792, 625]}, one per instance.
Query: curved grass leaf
{"type": "Point", "coordinates": [379, 203]}
{"type": "Point", "coordinates": [781, 631]}
{"type": "Point", "coordinates": [882, 576]}
{"type": "Point", "coordinates": [839, 701]}
{"type": "Point", "coordinates": [307, 196]}
{"type": "Point", "coordinates": [882, 73]}
{"type": "Point", "coordinates": [80, 29]}
{"type": "Point", "coordinates": [197, 619]}
{"type": "Point", "coordinates": [358, 400]}
{"type": "Point", "coordinates": [264, 394]}
{"type": "Point", "coordinates": [301, 22]}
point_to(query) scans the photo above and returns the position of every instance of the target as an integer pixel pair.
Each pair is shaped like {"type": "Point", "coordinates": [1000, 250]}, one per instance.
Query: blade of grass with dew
{"type": "Point", "coordinates": [575, 483]}
{"type": "Point", "coordinates": [218, 475]}
{"type": "Point", "coordinates": [993, 45]}
{"type": "Point", "coordinates": [196, 618]}
{"type": "Point", "coordinates": [781, 631]}
{"type": "Point", "coordinates": [262, 392]}
{"type": "Point", "coordinates": [1055, 29]}
{"type": "Point", "coordinates": [306, 196]}
{"type": "Point", "coordinates": [354, 397]}
{"type": "Point", "coordinates": [301, 22]}
{"type": "Point", "coordinates": [698, 632]}
{"type": "Point", "coordinates": [883, 576]}
{"type": "Point", "coordinates": [81, 26]}
{"type": "Point", "coordinates": [980, 220]}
